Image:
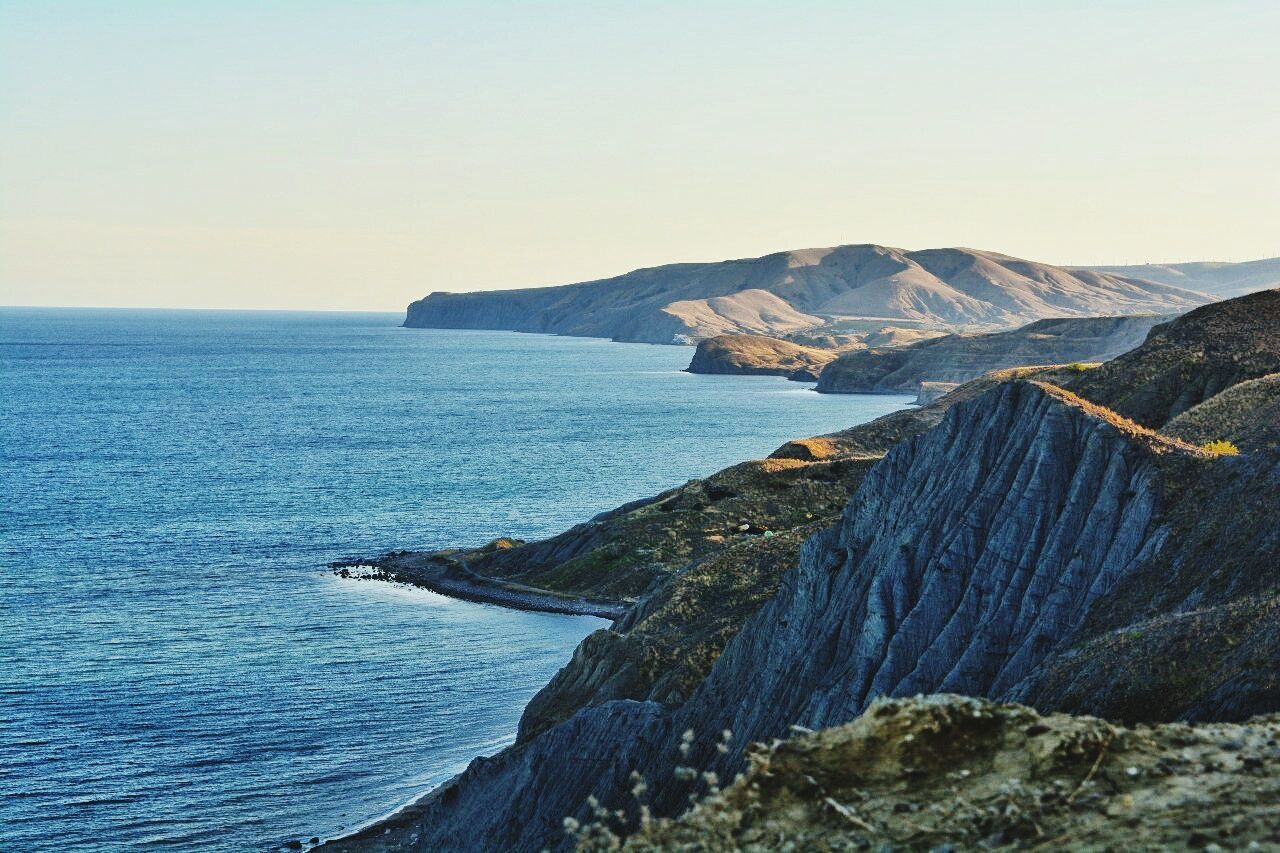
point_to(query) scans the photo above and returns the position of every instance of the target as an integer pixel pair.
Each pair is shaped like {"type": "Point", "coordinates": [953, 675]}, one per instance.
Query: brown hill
{"type": "Point", "coordinates": [789, 291]}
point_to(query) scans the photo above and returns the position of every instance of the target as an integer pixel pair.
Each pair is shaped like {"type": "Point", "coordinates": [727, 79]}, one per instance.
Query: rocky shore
{"type": "Point", "coordinates": [447, 577]}
{"type": "Point", "coordinates": [756, 355]}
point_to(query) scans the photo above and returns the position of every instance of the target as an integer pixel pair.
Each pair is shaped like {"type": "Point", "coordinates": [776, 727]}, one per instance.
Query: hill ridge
{"type": "Point", "coordinates": [788, 291]}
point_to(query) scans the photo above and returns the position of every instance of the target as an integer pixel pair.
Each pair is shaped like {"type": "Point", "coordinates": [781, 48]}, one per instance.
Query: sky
{"type": "Point", "coordinates": [358, 155]}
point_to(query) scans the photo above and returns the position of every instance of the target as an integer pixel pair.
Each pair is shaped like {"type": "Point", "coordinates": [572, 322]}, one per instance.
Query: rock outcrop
{"type": "Point", "coordinates": [840, 337]}
{"type": "Point", "coordinates": [1190, 359]}
{"type": "Point", "coordinates": [953, 773]}
{"type": "Point", "coordinates": [931, 391]}
{"type": "Point", "coordinates": [795, 359]}
{"type": "Point", "coordinates": [756, 355]}
{"type": "Point", "coordinates": [790, 291]}
{"type": "Point", "coordinates": [961, 357]}
{"type": "Point", "coordinates": [987, 556]}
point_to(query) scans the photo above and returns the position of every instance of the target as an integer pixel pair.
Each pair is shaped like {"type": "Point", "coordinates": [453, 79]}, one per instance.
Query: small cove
{"type": "Point", "coordinates": [189, 675]}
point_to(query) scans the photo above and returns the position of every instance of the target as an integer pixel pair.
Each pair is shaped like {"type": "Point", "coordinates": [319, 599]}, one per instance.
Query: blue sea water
{"type": "Point", "coordinates": [179, 670]}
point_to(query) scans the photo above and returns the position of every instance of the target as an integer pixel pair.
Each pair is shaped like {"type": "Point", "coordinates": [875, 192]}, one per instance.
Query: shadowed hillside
{"type": "Point", "coordinates": [1189, 360]}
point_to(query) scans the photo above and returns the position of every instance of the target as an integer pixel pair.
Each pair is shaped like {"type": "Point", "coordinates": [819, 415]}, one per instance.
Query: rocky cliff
{"type": "Point", "coordinates": [1018, 542]}
{"type": "Point", "coordinates": [695, 561]}
{"type": "Point", "coordinates": [988, 556]}
{"type": "Point", "coordinates": [790, 291]}
{"type": "Point", "coordinates": [961, 357]}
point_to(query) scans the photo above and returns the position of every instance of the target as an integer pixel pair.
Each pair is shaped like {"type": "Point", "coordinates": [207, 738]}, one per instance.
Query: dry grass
{"type": "Point", "coordinates": [1151, 439]}
{"type": "Point", "coordinates": [946, 772]}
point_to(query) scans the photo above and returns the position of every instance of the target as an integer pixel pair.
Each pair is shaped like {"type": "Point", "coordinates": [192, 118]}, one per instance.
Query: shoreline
{"type": "Point", "coordinates": [397, 818]}
{"type": "Point", "coordinates": [423, 569]}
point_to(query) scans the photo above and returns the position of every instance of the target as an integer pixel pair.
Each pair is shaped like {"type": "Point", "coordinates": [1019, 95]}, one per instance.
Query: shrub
{"type": "Point", "coordinates": [1221, 447]}
{"type": "Point", "coordinates": [1082, 366]}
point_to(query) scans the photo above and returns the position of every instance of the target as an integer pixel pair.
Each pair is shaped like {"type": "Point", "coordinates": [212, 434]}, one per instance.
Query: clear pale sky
{"type": "Point", "coordinates": [361, 154]}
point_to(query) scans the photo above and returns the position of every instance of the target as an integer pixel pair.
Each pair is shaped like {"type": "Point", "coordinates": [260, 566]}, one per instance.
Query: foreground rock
{"type": "Point", "coordinates": [959, 358]}
{"type": "Point", "coordinates": [950, 773]}
{"type": "Point", "coordinates": [791, 291]}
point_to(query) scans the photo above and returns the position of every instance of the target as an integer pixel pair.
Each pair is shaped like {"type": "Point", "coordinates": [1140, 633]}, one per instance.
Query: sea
{"type": "Point", "coordinates": [178, 668]}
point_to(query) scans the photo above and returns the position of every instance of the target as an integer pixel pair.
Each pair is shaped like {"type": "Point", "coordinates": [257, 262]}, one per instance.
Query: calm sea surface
{"type": "Point", "coordinates": [178, 669]}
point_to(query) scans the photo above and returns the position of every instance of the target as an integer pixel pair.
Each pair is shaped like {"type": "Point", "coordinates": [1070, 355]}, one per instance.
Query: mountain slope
{"type": "Point", "coordinates": [788, 291]}
{"type": "Point", "coordinates": [1223, 280]}
{"type": "Point", "coordinates": [959, 358]}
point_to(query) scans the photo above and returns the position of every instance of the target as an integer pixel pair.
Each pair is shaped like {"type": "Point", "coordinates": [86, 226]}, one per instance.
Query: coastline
{"type": "Point", "coordinates": [429, 570]}
{"type": "Point", "coordinates": [449, 578]}
{"type": "Point", "coordinates": [400, 817]}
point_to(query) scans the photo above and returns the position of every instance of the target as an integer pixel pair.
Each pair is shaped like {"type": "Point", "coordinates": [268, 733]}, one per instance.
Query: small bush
{"type": "Point", "coordinates": [1221, 447]}
{"type": "Point", "coordinates": [1082, 366]}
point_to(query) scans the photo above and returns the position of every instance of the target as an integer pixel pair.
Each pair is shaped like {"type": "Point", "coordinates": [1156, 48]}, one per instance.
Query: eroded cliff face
{"type": "Point", "coordinates": [966, 557]}
{"type": "Point", "coordinates": [972, 558]}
